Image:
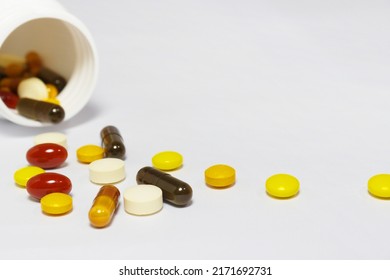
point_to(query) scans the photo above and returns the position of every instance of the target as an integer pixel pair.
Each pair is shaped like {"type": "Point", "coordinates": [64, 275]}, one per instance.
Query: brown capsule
{"type": "Point", "coordinates": [50, 77]}
{"type": "Point", "coordinates": [112, 142]}
{"type": "Point", "coordinates": [34, 61]}
{"type": "Point", "coordinates": [174, 190]}
{"type": "Point", "coordinates": [40, 110]}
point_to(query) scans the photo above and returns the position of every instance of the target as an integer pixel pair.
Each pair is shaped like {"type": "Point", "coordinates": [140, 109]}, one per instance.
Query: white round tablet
{"type": "Point", "coordinates": [107, 171]}
{"type": "Point", "coordinates": [51, 137]}
{"type": "Point", "coordinates": [143, 200]}
{"type": "Point", "coordinates": [32, 88]}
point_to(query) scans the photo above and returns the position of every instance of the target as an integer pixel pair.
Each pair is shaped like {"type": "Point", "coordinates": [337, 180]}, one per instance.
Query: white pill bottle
{"type": "Point", "coordinates": [63, 42]}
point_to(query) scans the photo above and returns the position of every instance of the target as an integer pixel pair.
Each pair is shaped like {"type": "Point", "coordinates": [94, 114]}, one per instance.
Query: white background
{"type": "Point", "coordinates": [298, 87]}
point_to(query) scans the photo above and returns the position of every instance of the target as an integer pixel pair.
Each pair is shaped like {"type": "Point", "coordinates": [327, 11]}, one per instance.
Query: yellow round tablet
{"type": "Point", "coordinates": [56, 203]}
{"type": "Point", "coordinates": [168, 160]}
{"type": "Point", "coordinates": [282, 186]}
{"type": "Point", "coordinates": [89, 153]}
{"type": "Point", "coordinates": [220, 176]}
{"type": "Point", "coordinates": [22, 175]}
{"type": "Point", "coordinates": [379, 185]}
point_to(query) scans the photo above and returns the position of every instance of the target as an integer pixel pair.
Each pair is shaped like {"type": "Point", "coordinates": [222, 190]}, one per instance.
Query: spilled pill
{"type": "Point", "coordinates": [49, 182]}
{"type": "Point", "coordinates": [22, 175]}
{"type": "Point", "coordinates": [47, 155]}
{"type": "Point", "coordinates": [174, 190]}
{"type": "Point", "coordinates": [107, 171]}
{"type": "Point", "coordinates": [167, 160]}
{"type": "Point", "coordinates": [112, 142]}
{"type": "Point", "coordinates": [143, 200]}
{"type": "Point", "coordinates": [104, 206]}
{"type": "Point", "coordinates": [220, 176]}
{"type": "Point", "coordinates": [56, 203]}
{"type": "Point", "coordinates": [282, 186]}
{"type": "Point", "coordinates": [89, 153]}
{"type": "Point", "coordinates": [379, 185]}
{"type": "Point", "coordinates": [51, 137]}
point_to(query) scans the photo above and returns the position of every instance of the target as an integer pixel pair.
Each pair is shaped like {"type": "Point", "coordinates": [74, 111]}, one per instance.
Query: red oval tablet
{"type": "Point", "coordinates": [49, 182]}
{"type": "Point", "coordinates": [47, 155]}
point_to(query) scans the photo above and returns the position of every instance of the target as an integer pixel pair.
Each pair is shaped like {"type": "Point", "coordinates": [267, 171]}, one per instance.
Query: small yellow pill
{"type": "Point", "coordinates": [22, 175]}
{"type": "Point", "coordinates": [53, 100]}
{"type": "Point", "coordinates": [51, 91]}
{"type": "Point", "coordinates": [56, 203]}
{"type": "Point", "coordinates": [89, 153]}
{"type": "Point", "coordinates": [167, 160]}
{"type": "Point", "coordinates": [282, 186]}
{"type": "Point", "coordinates": [379, 185]}
{"type": "Point", "coordinates": [220, 176]}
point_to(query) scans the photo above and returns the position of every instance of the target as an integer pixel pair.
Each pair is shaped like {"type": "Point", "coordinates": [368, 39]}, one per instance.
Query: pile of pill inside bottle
{"type": "Point", "coordinates": [30, 88]}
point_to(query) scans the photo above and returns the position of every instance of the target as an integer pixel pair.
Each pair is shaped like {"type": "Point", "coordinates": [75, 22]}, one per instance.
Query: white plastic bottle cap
{"type": "Point", "coordinates": [63, 42]}
{"type": "Point", "coordinates": [143, 200]}
{"type": "Point", "coordinates": [107, 171]}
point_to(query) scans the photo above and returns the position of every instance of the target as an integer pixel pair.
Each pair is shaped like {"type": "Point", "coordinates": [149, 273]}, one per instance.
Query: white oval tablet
{"type": "Point", "coordinates": [107, 171]}
{"type": "Point", "coordinates": [143, 200]}
{"type": "Point", "coordinates": [33, 88]}
{"type": "Point", "coordinates": [51, 137]}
